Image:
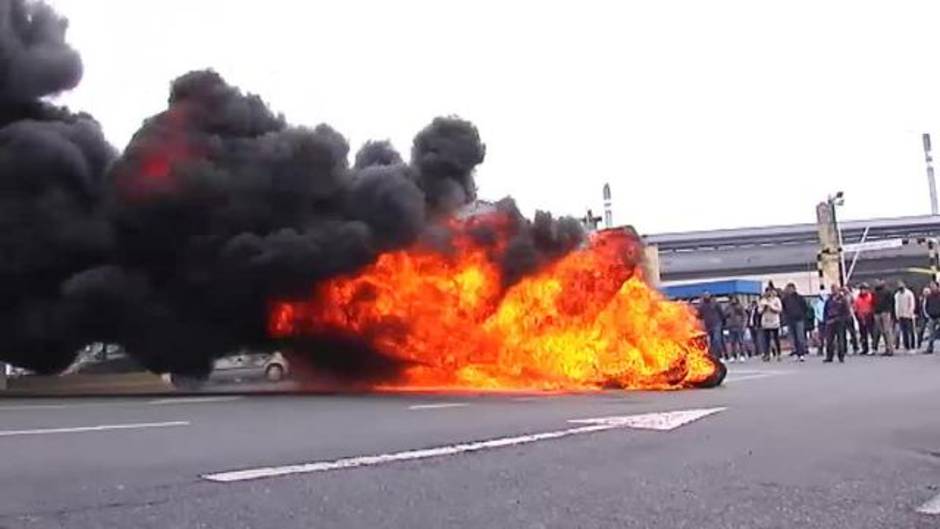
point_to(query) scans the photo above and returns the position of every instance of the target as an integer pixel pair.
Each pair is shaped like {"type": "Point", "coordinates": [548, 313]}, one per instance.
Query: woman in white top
{"type": "Point", "coordinates": [770, 309]}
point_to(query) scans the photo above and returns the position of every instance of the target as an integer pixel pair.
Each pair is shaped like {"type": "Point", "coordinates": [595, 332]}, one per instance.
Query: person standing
{"type": "Point", "coordinates": [837, 315]}
{"type": "Point", "coordinates": [819, 305]}
{"type": "Point", "coordinates": [753, 327]}
{"type": "Point", "coordinates": [923, 320]}
{"type": "Point", "coordinates": [904, 307]}
{"type": "Point", "coordinates": [932, 308]}
{"type": "Point", "coordinates": [850, 323]}
{"type": "Point", "coordinates": [864, 305]}
{"type": "Point", "coordinates": [712, 317]}
{"type": "Point", "coordinates": [810, 323]}
{"type": "Point", "coordinates": [770, 310]}
{"type": "Point", "coordinates": [736, 322]}
{"type": "Point", "coordinates": [884, 316]}
{"type": "Point", "coordinates": [794, 312]}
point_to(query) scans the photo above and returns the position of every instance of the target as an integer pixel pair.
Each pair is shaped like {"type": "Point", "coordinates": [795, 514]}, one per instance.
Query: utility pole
{"type": "Point", "coordinates": [931, 181]}
{"type": "Point", "coordinates": [829, 259]}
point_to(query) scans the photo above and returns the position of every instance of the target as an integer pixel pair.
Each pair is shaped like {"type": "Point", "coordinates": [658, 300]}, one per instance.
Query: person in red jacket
{"type": "Point", "coordinates": [864, 306]}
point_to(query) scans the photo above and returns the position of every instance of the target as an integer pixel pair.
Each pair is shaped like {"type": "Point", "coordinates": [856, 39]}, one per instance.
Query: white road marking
{"type": "Point", "coordinates": [438, 406]}
{"type": "Point", "coordinates": [194, 400]}
{"type": "Point", "coordinates": [742, 375]}
{"type": "Point", "coordinates": [663, 421]}
{"type": "Point", "coordinates": [411, 455]}
{"type": "Point", "coordinates": [44, 407]}
{"type": "Point", "coordinates": [931, 507]}
{"type": "Point", "coordinates": [112, 404]}
{"type": "Point", "coordinates": [99, 428]}
{"type": "Point", "coordinates": [742, 378]}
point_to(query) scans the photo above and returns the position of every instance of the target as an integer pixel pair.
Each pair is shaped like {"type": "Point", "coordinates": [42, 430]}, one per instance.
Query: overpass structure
{"type": "Point", "coordinates": [789, 253]}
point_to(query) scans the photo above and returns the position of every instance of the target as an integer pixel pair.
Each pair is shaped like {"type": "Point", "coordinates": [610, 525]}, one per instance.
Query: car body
{"type": "Point", "coordinates": [103, 359]}
{"type": "Point", "coordinates": [243, 366]}
{"type": "Point", "coordinates": [248, 365]}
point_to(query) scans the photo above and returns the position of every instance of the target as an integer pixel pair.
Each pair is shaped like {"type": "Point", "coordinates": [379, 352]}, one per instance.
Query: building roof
{"type": "Point", "coordinates": [882, 228]}
{"type": "Point", "coordinates": [731, 287]}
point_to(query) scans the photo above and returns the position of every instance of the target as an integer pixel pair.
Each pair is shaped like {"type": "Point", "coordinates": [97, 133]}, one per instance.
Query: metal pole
{"type": "Point", "coordinates": [931, 180]}
{"type": "Point", "coordinates": [855, 257]}
{"type": "Point", "coordinates": [835, 224]}
{"type": "Point", "coordinates": [932, 250]}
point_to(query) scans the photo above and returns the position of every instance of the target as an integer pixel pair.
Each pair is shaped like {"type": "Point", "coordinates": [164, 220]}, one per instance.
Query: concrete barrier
{"type": "Point", "coordinates": [130, 383]}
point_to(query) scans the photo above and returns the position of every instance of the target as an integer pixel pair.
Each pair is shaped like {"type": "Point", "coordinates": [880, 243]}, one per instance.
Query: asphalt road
{"type": "Point", "coordinates": [796, 445]}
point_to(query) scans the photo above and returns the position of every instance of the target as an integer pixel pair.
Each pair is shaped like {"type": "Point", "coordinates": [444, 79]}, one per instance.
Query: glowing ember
{"type": "Point", "coordinates": [158, 156]}
{"type": "Point", "coordinates": [584, 322]}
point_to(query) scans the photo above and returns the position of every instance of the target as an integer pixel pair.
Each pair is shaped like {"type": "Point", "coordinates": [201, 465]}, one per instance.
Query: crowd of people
{"type": "Point", "coordinates": [864, 317]}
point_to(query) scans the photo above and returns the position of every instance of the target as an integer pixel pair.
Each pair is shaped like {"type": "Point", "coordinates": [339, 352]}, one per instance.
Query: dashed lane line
{"type": "Point", "coordinates": [438, 406]}
{"type": "Point", "coordinates": [742, 375]}
{"type": "Point", "coordinates": [194, 400]}
{"type": "Point", "coordinates": [98, 428]}
{"type": "Point", "coordinates": [123, 403]}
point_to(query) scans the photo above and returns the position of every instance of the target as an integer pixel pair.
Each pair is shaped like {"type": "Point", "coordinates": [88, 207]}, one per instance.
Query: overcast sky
{"type": "Point", "coordinates": [700, 114]}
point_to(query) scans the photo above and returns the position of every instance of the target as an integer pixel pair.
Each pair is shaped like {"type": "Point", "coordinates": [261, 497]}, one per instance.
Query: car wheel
{"type": "Point", "coordinates": [274, 373]}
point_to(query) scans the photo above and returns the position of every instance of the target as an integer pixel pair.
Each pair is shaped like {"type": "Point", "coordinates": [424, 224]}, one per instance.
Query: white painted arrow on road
{"type": "Point", "coordinates": [663, 421]}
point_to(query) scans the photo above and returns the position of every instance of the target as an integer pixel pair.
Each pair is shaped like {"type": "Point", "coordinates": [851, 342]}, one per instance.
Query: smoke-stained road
{"type": "Point", "coordinates": [809, 445]}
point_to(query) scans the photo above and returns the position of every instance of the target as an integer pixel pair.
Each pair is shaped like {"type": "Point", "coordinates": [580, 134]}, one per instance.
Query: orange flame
{"type": "Point", "coordinates": [586, 321]}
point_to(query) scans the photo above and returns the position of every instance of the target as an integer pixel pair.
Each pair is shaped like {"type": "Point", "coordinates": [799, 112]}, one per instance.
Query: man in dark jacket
{"type": "Point", "coordinates": [932, 309]}
{"type": "Point", "coordinates": [884, 317]}
{"type": "Point", "coordinates": [714, 321]}
{"type": "Point", "coordinates": [836, 314]}
{"type": "Point", "coordinates": [794, 316]}
{"type": "Point", "coordinates": [736, 321]}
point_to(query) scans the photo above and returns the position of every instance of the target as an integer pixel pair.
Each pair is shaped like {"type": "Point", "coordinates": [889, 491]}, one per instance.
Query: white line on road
{"type": "Point", "coordinates": [742, 378]}
{"type": "Point", "coordinates": [931, 507]}
{"type": "Point", "coordinates": [113, 404]}
{"type": "Point", "coordinates": [438, 406]}
{"type": "Point", "coordinates": [99, 428]}
{"type": "Point", "coordinates": [193, 400]}
{"type": "Point", "coordinates": [411, 455]}
{"type": "Point", "coordinates": [758, 372]}
{"type": "Point", "coordinates": [742, 375]}
{"type": "Point", "coordinates": [44, 407]}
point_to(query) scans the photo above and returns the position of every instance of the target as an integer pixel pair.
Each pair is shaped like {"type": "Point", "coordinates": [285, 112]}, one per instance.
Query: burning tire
{"type": "Point", "coordinates": [716, 378]}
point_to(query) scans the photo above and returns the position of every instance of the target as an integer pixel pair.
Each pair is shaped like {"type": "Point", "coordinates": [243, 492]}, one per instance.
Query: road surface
{"type": "Point", "coordinates": [781, 445]}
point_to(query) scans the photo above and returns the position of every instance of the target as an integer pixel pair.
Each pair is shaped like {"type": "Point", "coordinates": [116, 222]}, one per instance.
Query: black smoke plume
{"type": "Point", "coordinates": [52, 189]}
{"type": "Point", "coordinates": [216, 209]}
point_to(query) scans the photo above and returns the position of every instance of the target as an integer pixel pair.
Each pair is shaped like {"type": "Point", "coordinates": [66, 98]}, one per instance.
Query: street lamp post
{"type": "Point", "coordinates": [834, 201]}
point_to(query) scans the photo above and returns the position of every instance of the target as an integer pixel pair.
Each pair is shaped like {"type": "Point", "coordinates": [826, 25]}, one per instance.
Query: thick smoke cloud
{"type": "Point", "coordinates": [444, 155]}
{"type": "Point", "coordinates": [35, 60]}
{"type": "Point", "coordinates": [216, 209]}
{"type": "Point", "coordinates": [377, 153]}
{"type": "Point", "coordinates": [52, 189]}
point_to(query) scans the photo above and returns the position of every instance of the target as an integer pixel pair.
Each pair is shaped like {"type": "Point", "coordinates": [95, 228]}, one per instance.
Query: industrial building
{"type": "Point", "coordinates": [889, 248]}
